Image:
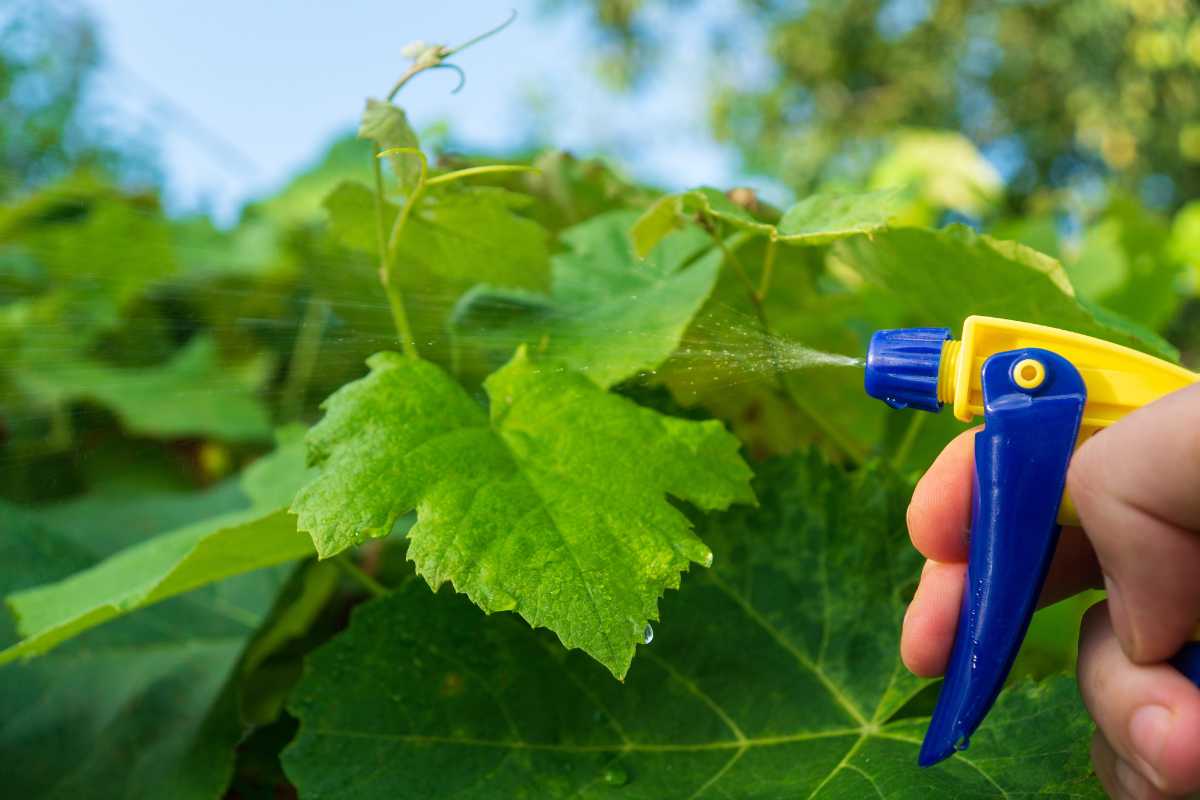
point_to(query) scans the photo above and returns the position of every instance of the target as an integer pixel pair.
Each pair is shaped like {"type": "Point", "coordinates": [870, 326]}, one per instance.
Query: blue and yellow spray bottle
{"type": "Point", "coordinates": [1041, 392]}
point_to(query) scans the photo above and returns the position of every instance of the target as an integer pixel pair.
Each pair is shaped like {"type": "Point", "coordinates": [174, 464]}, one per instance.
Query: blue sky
{"type": "Point", "coordinates": [238, 94]}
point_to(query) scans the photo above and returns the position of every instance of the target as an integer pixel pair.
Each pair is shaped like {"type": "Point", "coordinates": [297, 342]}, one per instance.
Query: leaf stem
{"type": "Point", "coordinates": [346, 563]}
{"type": "Point", "coordinates": [512, 16]}
{"type": "Point", "coordinates": [387, 275]}
{"type": "Point", "coordinates": [764, 281]}
{"type": "Point", "coordinates": [486, 169]}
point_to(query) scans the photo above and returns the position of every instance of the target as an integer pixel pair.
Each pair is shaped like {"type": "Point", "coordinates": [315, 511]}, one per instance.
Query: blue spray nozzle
{"type": "Point", "coordinates": [902, 367]}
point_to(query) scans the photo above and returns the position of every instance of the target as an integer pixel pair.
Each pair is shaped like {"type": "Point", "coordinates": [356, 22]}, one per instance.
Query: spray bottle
{"type": "Point", "coordinates": [1042, 392]}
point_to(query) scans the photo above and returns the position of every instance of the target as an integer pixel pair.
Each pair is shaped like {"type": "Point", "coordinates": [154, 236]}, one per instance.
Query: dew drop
{"type": "Point", "coordinates": [963, 743]}
{"type": "Point", "coordinates": [648, 634]}
{"type": "Point", "coordinates": [616, 775]}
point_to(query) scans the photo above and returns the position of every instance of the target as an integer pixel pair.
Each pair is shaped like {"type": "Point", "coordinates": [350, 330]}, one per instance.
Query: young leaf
{"type": "Point", "coordinates": [609, 314]}
{"type": "Point", "coordinates": [817, 219]}
{"type": "Point", "coordinates": [166, 565]}
{"type": "Point", "coordinates": [824, 218]}
{"type": "Point", "coordinates": [553, 505]}
{"type": "Point", "coordinates": [775, 674]}
{"type": "Point", "coordinates": [193, 394]}
{"type": "Point", "coordinates": [387, 126]}
{"type": "Point", "coordinates": [662, 217]}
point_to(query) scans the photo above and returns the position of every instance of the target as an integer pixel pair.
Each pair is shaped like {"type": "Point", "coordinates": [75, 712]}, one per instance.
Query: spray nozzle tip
{"type": "Point", "coordinates": [902, 367]}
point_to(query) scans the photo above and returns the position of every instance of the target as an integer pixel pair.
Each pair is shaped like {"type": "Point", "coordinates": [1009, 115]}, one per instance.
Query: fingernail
{"type": "Point", "coordinates": [1149, 728]}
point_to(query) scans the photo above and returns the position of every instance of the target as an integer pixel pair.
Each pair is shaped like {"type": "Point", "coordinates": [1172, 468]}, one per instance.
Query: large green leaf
{"type": "Point", "coordinates": [610, 314]}
{"type": "Point", "coordinates": [553, 505]}
{"type": "Point", "coordinates": [940, 277]}
{"type": "Point", "coordinates": [136, 709]}
{"type": "Point", "coordinates": [775, 674]}
{"type": "Point", "coordinates": [166, 565]}
{"type": "Point", "coordinates": [193, 394]}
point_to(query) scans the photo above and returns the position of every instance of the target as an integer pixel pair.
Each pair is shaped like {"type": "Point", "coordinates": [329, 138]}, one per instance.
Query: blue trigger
{"type": "Point", "coordinates": [1033, 403]}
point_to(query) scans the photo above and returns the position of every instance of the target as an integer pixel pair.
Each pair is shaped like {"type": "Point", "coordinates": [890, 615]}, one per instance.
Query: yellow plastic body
{"type": "Point", "coordinates": [1118, 379]}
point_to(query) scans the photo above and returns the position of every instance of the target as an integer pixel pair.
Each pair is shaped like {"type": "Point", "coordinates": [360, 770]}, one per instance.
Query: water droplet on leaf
{"type": "Point", "coordinates": [648, 634]}
{"type": "Point", "coordinates": [616, 775]}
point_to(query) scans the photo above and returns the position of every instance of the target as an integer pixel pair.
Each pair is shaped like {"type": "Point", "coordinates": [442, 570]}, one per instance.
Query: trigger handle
{"type": "Point", "coordinates": [1187, 661]}
{"type": "Point", "coordinates": [1033, 405]}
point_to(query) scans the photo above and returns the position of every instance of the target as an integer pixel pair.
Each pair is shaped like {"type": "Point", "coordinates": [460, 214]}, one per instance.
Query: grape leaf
{"type": "Point", "coordinates": [470, 234]}
{"type": "Point", "coordinates": [774, 674]}
{"type": "Point", "coordinates": [817, 219]}
{"type": "Point", "coordinates": [945, 275]}
{"type": "Point", "coordinates": [193, 394]}
{"type": "Point", "coordinates": [824, 218]}
{"type": "Point", "coordinates": [166, 565]}
{"type": "Point", "coordinates": [461, 235]}
{"type": "Point", "coordinates": [553, 505]}
{"type": "Point", "coordinates": [458, 236]}
{"type": "Point", "coordinates": [136, 709]}
{"type": "Point", "coordinates": [609, 314]}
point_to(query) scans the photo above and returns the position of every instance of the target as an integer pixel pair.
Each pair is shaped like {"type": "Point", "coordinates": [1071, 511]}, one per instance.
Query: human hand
{"type": "Point", "coordinates": [1136, 487]}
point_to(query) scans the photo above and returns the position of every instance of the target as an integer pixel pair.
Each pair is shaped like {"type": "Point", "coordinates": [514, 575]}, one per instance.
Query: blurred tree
{"type": "Point", "coordinates": [1055, 92]}
{"type": "Point", "coordinates": [47, 57]}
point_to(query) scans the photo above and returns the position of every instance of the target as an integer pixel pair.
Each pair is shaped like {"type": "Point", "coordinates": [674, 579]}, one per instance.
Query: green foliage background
{"type": "Point", "coordinates": [663, 562]}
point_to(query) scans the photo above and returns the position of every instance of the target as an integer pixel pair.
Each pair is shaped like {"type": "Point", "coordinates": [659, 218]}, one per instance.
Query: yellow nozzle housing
{"type": "Point", "coordinates": [1118, 379]}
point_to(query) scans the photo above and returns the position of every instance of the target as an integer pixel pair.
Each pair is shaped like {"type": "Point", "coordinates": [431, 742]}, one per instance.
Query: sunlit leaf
{"type": "Point", "coordinates": [552, 504]}
{"type": "Point", "coordinates": [775, 674]}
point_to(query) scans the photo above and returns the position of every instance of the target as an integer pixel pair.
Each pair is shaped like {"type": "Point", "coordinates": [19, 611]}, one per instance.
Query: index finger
{"type": "Point", "coordinates": [939, 515]}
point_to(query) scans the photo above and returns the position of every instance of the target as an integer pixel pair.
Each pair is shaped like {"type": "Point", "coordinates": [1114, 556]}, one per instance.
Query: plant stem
{"type": "Point", "coordinates": [304, 358]}
{"type": "Point", "coordinates": [347, 565]}
{"type": "Point", "coordinates": [386, 254]}
{"type": "Point", "coordinates": [764, 281]}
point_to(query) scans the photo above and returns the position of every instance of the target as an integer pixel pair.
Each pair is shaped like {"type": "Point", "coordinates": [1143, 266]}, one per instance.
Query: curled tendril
{"type": "Point", "coordinates": [462, 76]}
{"type": "Point", "coordinates": [512, 16]}
{"type": "Point", "coordinates": [442, 53]}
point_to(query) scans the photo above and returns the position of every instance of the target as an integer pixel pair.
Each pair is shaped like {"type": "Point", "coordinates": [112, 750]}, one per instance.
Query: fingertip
{"type": "Point", "coordinates": [1178, 761]}
{"type": "Point", "coordinates": [940, 511]}
{"type": "Point", "coordinates": [931, 619]}
{"type": "Point", "coordinates": [1150, 714]}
